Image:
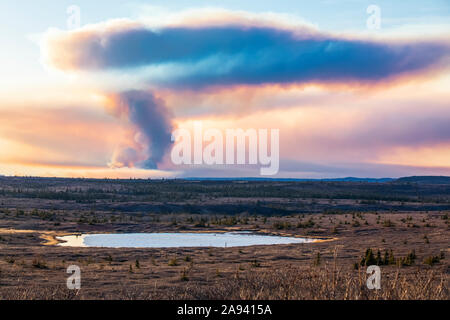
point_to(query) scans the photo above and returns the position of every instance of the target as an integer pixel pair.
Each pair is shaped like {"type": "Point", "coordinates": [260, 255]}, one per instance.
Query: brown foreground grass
{"type": "Point", "coordinates": [329, 270]}
{"type": "Point", "coordinates": [403, 228]}
{"type": "Point", "coordinates": [323, 283]}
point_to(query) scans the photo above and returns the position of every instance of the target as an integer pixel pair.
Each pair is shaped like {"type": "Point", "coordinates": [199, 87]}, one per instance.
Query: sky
{"type": "Point", "coordinates": [102, 98]}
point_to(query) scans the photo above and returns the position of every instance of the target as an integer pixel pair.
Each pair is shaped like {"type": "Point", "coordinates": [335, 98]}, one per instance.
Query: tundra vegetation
{"type": "Point", "coordinates": [401, 226]}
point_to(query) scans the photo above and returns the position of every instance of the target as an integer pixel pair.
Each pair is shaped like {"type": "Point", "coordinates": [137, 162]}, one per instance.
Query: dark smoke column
{"type": "Point", "coordinates": [153, 123]}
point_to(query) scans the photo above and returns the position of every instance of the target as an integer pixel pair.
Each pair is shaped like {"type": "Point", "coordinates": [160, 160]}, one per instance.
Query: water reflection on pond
{"type": "Point", "coordinates": [176, 240]}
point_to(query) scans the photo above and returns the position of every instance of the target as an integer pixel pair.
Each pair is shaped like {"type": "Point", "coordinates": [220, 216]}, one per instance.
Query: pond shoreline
{"type": "Point", "coordinates": [57, 239]}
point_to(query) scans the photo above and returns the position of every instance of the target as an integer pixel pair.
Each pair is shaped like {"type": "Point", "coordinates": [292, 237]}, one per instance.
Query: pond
{"type": "Point", "coordinates": [176, 240]}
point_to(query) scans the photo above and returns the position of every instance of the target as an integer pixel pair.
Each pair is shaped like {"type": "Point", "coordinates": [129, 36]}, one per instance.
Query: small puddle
{"type": "Point", "coordinates": [176, 240]}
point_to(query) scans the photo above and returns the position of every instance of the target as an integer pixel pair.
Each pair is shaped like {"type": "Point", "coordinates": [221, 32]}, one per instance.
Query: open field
{"type": "Point", "coordinates": [406, 221]}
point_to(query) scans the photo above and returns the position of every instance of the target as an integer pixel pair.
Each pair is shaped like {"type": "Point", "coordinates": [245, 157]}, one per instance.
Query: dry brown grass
{"type": "Point", "coordinates": [30, 270]}
{"type": "Point", "coordinates": [314, 283]}
{"type": "Point", "coordinates": [324, 283]}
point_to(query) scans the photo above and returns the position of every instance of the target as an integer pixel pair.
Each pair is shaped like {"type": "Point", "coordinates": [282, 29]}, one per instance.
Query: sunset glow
{"type": "Point", "coordinates": [342, 96]}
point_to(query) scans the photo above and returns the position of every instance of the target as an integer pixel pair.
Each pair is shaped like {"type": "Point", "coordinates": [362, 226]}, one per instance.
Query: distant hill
{"type": "Point", "coordinates": [425, 180]}
{"type": "Point", "coordinates": [442, 180]}
{"type": "Point", "coordinates": [347, 179]}
{"type": "Point", "coordinates": [413, 179]}
{"type": "Point", "coordinates": [353, 179]}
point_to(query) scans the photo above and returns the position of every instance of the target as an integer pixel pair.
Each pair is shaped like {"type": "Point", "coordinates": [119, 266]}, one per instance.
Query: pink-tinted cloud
{"type": "Point", "coordinates": [59, 136]}
{"type": "Point", "coordinates": [199, 56]}
{"type": "Point", "coordinates": [153, 125]}
{"type": "Point", "coordinates": [333, 97]}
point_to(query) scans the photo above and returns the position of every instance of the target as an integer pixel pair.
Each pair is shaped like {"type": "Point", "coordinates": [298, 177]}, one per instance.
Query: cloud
{"type": "Point", "coordinates": [233, 64]}
{"type": "Point", "coordinates": [71, 134]}
{"type": "Point", "coordinates": [199, 56]}
{"type": "Point", "coordinates": [299, 169]}
{"type": "Point", "coordinates": [153, 126]}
